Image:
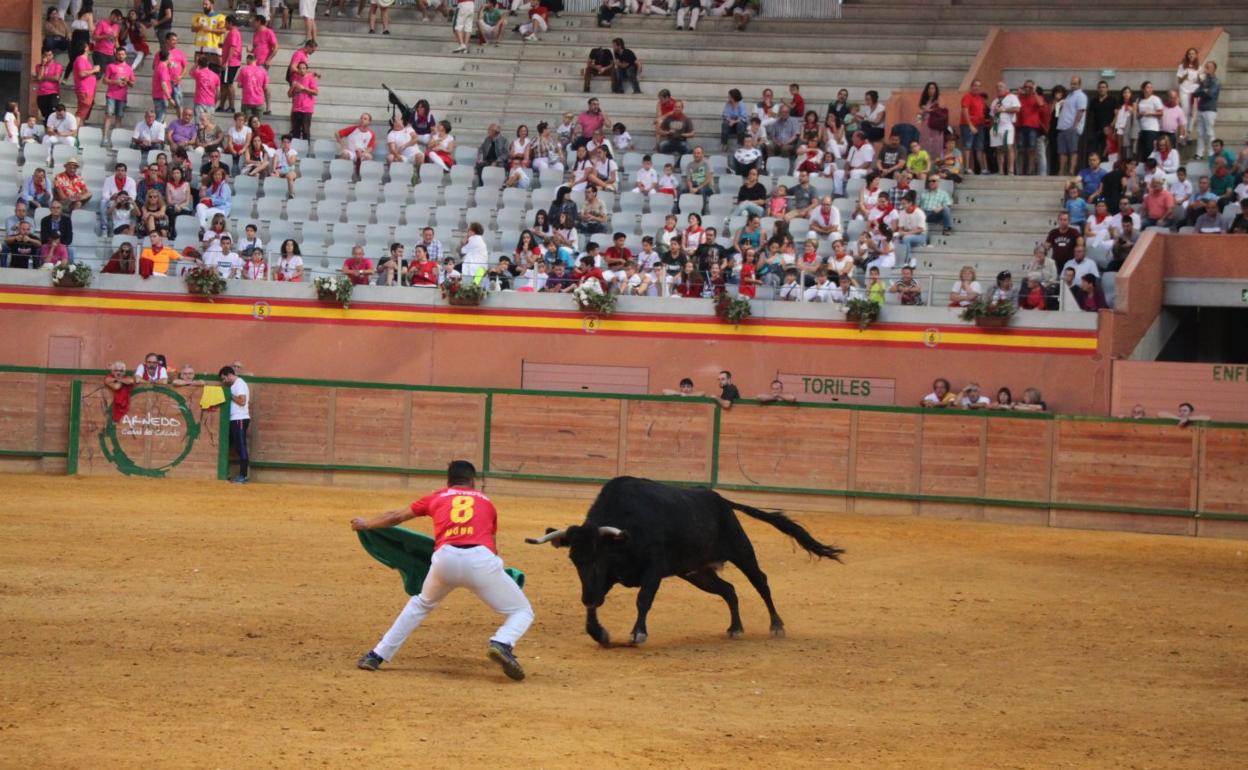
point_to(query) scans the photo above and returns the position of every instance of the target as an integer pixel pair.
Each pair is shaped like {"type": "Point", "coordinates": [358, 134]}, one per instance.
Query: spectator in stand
{"type": "Point", "coordinates": [402, 144]}
{"type": "Point", "coordinates": [1173, 120]}
{"type": "Point", "coordinates": [1003, 291]}
{"type": "Point", "coordinates": [209, 29]}
{"type": "Point", "coordinates": [149, 134]}
{"type": "Point", "coordinates": [625, 67]}
{"type": "Point", "coordinates": [539, 20]}
{"type": "Point", "coordinates": [492, 23]}
{"type": "Point", "coordinates": [1031, 294]}
{"type": "Point", "coordinates": [358, 268]}
{"type": "Point", "coordinates": [1210, 222]}
{"type": "Point", "coordinates": [1113, 185]}
{"type": "Point", "coordinates": [908, 290]}
{"type": "Point", "coordinates": [1062, 240]}
{"type": "Point", "coordinates": [743, 11]}
{"type": "Point", "coordinates": [1003, 112]}
{"type": "Point", "coordinates": [1123, 244]}
{"type": "Point", "coordinates": [1088, 295]}
{"type": "Point", "coordinates": [1090, 178]}
{"type": "Point", "coordinates": [783, 135]}
{"type": "Point", "coordinates": [119, 77]}
{"type": "Point", "coordinates": [57, 227]}
{"type": "Point", "coordinates": [974, 127]}
{"type": "Point", "coordinates": [751, 196]}
{"type": "Point", "coordinates": [911, 229]}
{"type": "Point", "coordinates": [70, 188]}
{"type": "Point", "coordinates": [183, 133]}
{"type": "Point", "coordinates": [86, 73]}
{"type": "Point", "coordinates": [892, 158]}
{"type": "Point", "coordinates": [937, 205]}
{"type": "Point", "coordinates": [358, 142]}
{"type": "Point", "coordinates": [207, 86]}
{"type": "Point", "coordinates": [46, 80]}
{"type": "Point", "coordinates": [253, 82]}
{"type": "Point", "coordinates": [231, 61]}
{"type": "Point", "coordinates": [122, 261]}
{"type": "Point", "coordinates": [1148, 112]}
{"type": "Point", "coordinates": [933, 121]}
{"type": "Point", "coordinates": [162, 85]}
{"type": "Point", "coordinates": [1222, 181]}
{"type": "Point", "coordinates": [1206, 100]}
{"type": "Point", "coordinates": [972, 398]}
{"type": "Point", "coordinates": [674, 132]}
{"type": "Point", "coordinates": [600, 63]}
{"type": "Point", "coordinates": [1102, 110]}
{"type": "Point", "coordinates": [62, 128]}
{"type": "Point", "coordinates": [1158, 205]}
{"type": "Point", "coordinates": [941, 395]}
{"type": "Point", "coordinates": [1070, 122]}
{"type": "Point", "coordinates": [747, 156]}
{"type": "Point", "coordinates": [21, 247]}
{"type": "Point", "coordinates": [698, 176]}
{"type": "Point", "coordinates": [734, 117]}
{"type": "Point", "coordinates": [966, 289]}
{"type": "Point", "coordinates": [264, 47]}
{"type": "Point", "coordinates": [303, 91]}
{"type": "Point", "coordinates": [608, 10]}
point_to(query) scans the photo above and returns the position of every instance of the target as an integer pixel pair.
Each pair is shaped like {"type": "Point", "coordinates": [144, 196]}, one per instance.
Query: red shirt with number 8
{"type": "Point", "coordinates": [461, 516]}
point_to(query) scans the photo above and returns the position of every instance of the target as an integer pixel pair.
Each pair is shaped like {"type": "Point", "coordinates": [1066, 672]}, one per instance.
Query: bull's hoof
{"type": "Point", "coordinates": [777, 632]}
{"type": "Point", "coordinates": [637, 637]}
{"type": "Point", "coordinates": [736, 633]}
{"type": "Point", "coordinates": [601, 637]}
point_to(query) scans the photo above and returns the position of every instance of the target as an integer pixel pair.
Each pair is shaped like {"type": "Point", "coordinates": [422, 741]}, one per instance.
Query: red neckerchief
{"type": "Point", "coordinates": [1099, 219]}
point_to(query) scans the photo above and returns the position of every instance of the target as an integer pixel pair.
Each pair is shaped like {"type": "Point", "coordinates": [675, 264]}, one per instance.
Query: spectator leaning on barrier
{"type": "Point", "coordinates": [728, 392]}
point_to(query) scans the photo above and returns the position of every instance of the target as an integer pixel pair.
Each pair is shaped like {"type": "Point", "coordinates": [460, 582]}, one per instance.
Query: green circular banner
{"type": "Point", "coordinates": [154, 436]}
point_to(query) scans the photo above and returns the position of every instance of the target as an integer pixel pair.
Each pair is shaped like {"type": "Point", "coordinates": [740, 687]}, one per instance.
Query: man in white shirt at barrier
{"type": "Point", "coordinates": [240, 417]}
{"type": "Point", "coordinates": [62, 128]}
{"type": "Point", "coordinates": [858, 162]}
{"type": "Point", "coordinates": [149, 134]}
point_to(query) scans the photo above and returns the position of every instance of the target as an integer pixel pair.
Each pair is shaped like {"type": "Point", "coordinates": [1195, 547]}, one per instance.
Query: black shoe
{"type": "Point", "coordinates": [502, 654]}
{"type": "Point", "coordinates": [370, 661]}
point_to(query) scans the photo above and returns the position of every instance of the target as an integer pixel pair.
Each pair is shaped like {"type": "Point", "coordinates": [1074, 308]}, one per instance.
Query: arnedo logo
{"type": "Point", "coordinates": [154, 437]}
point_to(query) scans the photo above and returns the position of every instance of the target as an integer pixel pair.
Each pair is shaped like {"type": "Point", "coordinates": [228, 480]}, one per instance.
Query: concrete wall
{"type": "Point", "coordinates": [21, 31]}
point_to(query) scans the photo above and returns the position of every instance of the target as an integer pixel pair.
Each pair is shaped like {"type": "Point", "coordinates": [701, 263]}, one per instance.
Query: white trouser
{"type": "Point", "coordinates": [1204, 132]}
{"type": "Point", "coordinates": [536, 24]}
{"type": "Point", "coordinates": [839, 178]}
{"type": "Point", "coordinates": [692, 13]}
{"type": "Point", "coordinates": [479, 570]}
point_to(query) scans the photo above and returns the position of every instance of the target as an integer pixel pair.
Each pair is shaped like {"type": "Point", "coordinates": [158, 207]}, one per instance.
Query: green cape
{"type": "Point", "coordinates": [410, 553]}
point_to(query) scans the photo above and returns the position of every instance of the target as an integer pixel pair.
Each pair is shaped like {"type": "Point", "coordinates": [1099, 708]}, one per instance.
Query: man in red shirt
{"type": "Point", "coordinates": [358, 267]}
{"type": "Point", "coordinates": [975, 128]}
{"type": "Point", "coordinates": [1030, 125]}
{"type": "Point", "coordinates": [586, 271]}
{"type": "Point", "coordinates": [464, 556]}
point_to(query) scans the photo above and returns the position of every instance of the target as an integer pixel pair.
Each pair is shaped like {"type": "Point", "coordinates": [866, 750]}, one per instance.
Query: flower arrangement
{"type": "Point", "coordinates": [457, 292]}
{"type": "Point", "coordinates": [732, 310]}
{"type": "Point", "coordinates": [334, 288]}
{"type": "Point", "coordinates": [864, 311]}
{"type": "Point", "coordinates": [204, 280]}
{"type": "Point", "coordinates": [590, 298]}
{"type": "Point", "coordinates": [985, 313]}
{"type": "Point", "coordinates": [68, 276]}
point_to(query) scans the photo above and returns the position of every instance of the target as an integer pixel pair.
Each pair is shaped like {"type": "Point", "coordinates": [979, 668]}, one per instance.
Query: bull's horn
{"type": "Point", "coordinates": [612, 531]}
{"type": "Point", "coordinates": [546, 538]}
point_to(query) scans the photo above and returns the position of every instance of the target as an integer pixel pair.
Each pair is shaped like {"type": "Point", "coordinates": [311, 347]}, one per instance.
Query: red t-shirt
{"type": "Point", "coordinates": [975, 109]}
{"type": "Point", "coordinates": [461, 516]}
{"type": "Point", "coordinates": [424, 273]}
{"type": "Point", "coordinates": [799, 107]}
{"type": "Point", "coordinates": [1029, 111]}
{"type": "Point", "coordinates": [747, 288]}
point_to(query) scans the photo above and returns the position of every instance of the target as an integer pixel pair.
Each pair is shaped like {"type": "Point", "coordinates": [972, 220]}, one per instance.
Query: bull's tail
{"type": "Point", "coordinates": [792, 529]}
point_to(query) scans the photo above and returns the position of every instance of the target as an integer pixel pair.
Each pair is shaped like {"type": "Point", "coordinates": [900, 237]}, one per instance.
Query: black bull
{"type": "Point", "coordinates": [639, 531]}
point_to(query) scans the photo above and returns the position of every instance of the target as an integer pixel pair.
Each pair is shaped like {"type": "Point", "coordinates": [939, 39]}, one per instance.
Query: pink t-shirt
{"type": "Point", "coordinates": [299, 55]}
{"type": "Point", "coordinates": [252, 80]}
{"type": "Point", "coordinates": [162, 84]}
{"type": "Point", "coordinates": [49, 88]}
{"type": "Point", "coordinates": [303, 101]}
{"type": "Point", "coordinates": [207, 84]}
{"type": "Point", "coordinates": [263, 41]}
{"type": "Point", "coordinates": [177, 64]}
{"type": "Point", "coordinates": [84, 84]}
{"type": "Point", "coordinates": [106, 47]}
{"type": "Point", "coordinates": [234, 42]}
{"type": "Point", "coordinates": [117, 71]}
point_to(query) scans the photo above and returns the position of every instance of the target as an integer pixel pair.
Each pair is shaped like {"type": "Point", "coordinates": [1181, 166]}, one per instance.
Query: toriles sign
{"type": "Point", "coordinates": [839, 388]}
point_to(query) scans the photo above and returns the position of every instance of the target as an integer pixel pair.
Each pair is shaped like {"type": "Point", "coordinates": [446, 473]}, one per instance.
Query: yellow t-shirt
{"type": "Point", "coordinates": [209, 31]}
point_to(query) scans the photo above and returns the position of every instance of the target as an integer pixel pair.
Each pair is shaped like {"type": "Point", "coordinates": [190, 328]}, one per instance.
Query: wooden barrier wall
{"type": "Point", "coordinates": [1148, 475]}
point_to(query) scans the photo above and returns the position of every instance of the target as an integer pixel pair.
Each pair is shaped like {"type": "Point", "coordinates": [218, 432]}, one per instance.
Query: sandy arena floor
{"type": "Point", "coordinates": [157, 624]}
